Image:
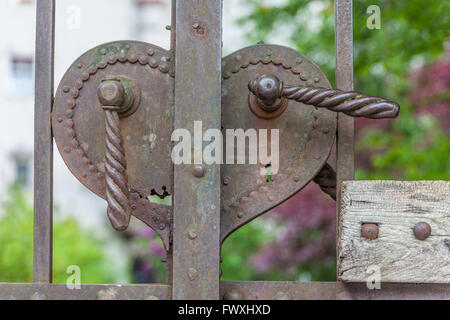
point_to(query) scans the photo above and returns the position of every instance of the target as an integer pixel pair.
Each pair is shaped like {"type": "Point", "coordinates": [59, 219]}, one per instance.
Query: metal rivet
{"type": "Point", "coordinates": [38, 296]}
{"type": "Point", "coordinates": [153, 63]}
{"type": "Point", "coordinates": [344, 296]}
{"type": "Point", "coordinates": [199, 171]}
{"type": "Point", "coordinates": [369, 231]}
{"type": "Point", "coordinates": [66, 89]}
{"type": "Point", "coordinates": [103, 51]}
{"type": "Point", "coordinates": [232, 294]}
{"type": "Point", "coordinates": [282, 296]}
{"type": "Point", "coordinates": [143, 60]}
{"type": "Point", "coordinates": [192, 274]}
{"type": "Point", "coordinates": [164, 68]}
{"type": "Point", "coordinates": [79, 66]}
{"type": "Point", "coordinates": [108, 294]}
{"type": "Point", "coordinates": [226, 181]}
{"type": "Point", "coordinates": [326, 131]}
{"type": "Point", "coordinates": [195, 25]}
{"type": "Point", "coordinates": [169, 27]}
{"type": "Point", "coordinates": [240, 215]}
{"type": "Point", "coordinates": [150, 52]}
{"type": "Point", "coordinates": [296, 179]}
{"type": "Point", "coordinates": [192, 234]}
{"type": "Point", "coordinates": [422, 230]}
{"type": "Point", "coordinates": [271, 198]}
{"type": "Point", "coordinates": [162, 226]}
{"type": "Point", "coordinates": [133, 207]}
{"type": "Point", "coordinates": [60, 120]}
{"type": "Point", "coordinates": [260, 42]}
{"type": "Point", "coordinates": [133, 58]}
{"type": "Point", "coordinates": [127, 47]}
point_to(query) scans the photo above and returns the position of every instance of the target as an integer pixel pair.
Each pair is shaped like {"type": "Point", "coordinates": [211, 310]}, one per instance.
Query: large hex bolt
{"type": "Point", "coordinates": [111, 93]}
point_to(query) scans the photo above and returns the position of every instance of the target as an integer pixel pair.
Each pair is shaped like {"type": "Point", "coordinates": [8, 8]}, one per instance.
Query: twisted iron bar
{"type": "Point", "coordinates": [269, 90]}
{"type": "Point", "coordinates": [351, 103]}
{"type": "Point", "coordinates": [117, 193]}
{"type": "Point", "coordinates": [326, 179]}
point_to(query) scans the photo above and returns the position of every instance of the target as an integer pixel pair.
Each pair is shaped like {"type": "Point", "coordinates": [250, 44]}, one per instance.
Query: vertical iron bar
{"type": "Point", "coordinates": [196, 195]}
{"type": "Point", "coordinates": [43, 142]}
{"type": "Point", "coordinates": [344, 81]}
{"type": "Point", "coordinates": [169, 253]}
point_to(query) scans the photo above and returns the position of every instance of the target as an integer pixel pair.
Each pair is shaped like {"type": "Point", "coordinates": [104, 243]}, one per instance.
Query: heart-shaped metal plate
{"type": "Point", "coordinates": [306, 134]}
{"type": "Point", "coordinates": [79, 123]}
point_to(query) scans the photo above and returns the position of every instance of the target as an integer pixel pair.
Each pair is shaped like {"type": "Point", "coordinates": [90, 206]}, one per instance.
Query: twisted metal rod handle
{"type": "Point", "coordinates": [270, 90]}
{"type": "Point", "coordinates": [111, 94]}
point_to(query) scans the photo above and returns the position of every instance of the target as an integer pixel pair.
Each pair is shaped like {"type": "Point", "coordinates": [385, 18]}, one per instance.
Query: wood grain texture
{"type": "Point", "coordinates": [396, 206]}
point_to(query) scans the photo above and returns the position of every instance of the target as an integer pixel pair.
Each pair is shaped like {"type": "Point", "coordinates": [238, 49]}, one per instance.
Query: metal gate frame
{"type": "Point", "coordinates": [193, 262]}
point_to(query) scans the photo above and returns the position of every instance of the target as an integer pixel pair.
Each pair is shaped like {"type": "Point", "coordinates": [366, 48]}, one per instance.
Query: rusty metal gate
{"type": "Point", "coordinates": [117, 92]}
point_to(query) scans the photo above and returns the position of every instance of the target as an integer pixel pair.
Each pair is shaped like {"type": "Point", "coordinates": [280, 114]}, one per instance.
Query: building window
{"type": "Point", "coordinates": [22, 168]}
{"type": "Point", "coordinates": [22, 74]}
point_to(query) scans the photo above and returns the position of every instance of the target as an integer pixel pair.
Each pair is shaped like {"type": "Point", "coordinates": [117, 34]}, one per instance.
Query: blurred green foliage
{"type": "Point", "coordinates": [72, 245]}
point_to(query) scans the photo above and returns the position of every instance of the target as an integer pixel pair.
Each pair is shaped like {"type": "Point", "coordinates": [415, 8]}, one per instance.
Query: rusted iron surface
{"type": "Point", "coordinates": [43, 142]}
{"type": "Point", "coordinates": [265, 290]}
{"type": "Point", "coordinates": [277, 290]}
{"type": "Point", "coordinates": [231, 290]}
{"type": "Point", "coordinates": [351, 103]}
{"type": "Point", "coordinates": [197, 190]}
{"type": "Point", "coordinates": [27, 291]}
{"type": "Point", "coordinates": [79, 121]}
{"type": "Point", "coordinates": [345, 150]}
{"type": "Point", "coordinates": [326, 179]}
{"type": "Point", "coordinates": [154, 215]}
{"type": "Point", "coordinates": [306, 134]}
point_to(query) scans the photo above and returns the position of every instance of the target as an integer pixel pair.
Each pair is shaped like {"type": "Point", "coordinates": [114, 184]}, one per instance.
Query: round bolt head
{"type": "Point", "coordinates": [199, 171]}
{"type": "Point", "coordinates": [369, 231]}
{"type": "Point", "coordinates": [192, 274]}
{"type": "Point", "coordinates": [422, 230]}
{"type": "Point", "coordinates": [192, 234]}
{"type": "Point", "coordinates": [269, 89]}
{"type": "Point", "coordinates": [111, 93]}
{"type": "Point", "coordinates": [282, 296]}
{"type": "Point", "coordinates": [38, 296]}
{"type": "Point", "coordinates": [232, 294]}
